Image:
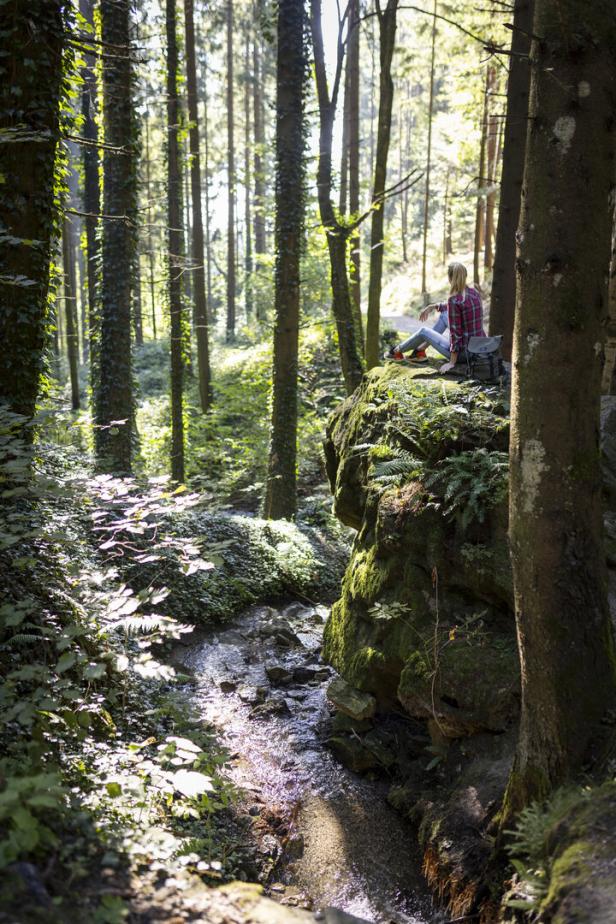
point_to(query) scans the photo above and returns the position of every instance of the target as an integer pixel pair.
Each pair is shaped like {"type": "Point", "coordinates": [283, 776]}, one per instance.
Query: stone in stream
{"type": "Point", "coordinates": [305, 673]}
{"type": "Point", "coordinates": [352, 702]}
{"type": "Point", "coordinates": [228, 686]}
{"type": "Point", "coordinates": [277, 674]}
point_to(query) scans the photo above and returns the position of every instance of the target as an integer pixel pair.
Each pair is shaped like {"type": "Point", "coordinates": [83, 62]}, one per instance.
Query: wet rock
{"type": "Point", "coordinates": [335, 916]}
{"type": "Point", "coordinates": [351, 752]}
{"type": "Point", "coordinates": [295, 609]}
{"type": "Point", "coordinates": [344, 723]}
{"type": "Point", "coordinates": [352, 702]}
{"type": "Point", "coordinates": [276, 705]}
{"type": "Point", "coordinates": [248, 694]}
{"type": "Point", "coordinates": [305, 673]}
{"type": "Point", "coordinates": [228, 686]}
{"type": "Point", "coordinates": [278, 675]}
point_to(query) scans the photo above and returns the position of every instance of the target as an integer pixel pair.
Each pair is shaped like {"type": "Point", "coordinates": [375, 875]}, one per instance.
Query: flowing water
{"type": "Point", "coordinates": [261, 684]}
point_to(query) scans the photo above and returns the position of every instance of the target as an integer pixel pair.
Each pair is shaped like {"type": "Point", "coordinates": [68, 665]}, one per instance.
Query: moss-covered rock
{"type": "Point", "coordinates": [425, 616]}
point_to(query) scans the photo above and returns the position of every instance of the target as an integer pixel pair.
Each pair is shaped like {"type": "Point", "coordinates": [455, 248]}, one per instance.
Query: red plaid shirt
{"type": "Point", "coordinates": [465, 318]}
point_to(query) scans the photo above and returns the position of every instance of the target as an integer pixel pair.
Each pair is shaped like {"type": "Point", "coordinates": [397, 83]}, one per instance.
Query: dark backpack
{"type": "Point", "coordinates": [484, 359]}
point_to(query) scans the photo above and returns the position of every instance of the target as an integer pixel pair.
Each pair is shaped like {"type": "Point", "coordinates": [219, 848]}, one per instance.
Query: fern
{"type": "Point", "coordinates": [470, 483]}
{"type": "Point", "coordinates": [403, 466]}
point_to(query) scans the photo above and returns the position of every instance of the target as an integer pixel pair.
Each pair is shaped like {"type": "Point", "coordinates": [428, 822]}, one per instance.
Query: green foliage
{"type": "Point", "coordinates": [402, 467]}
{"type": "Point", "coordinates": [470, 483]}
{"type": "Point", "coordinates": [529, 848]}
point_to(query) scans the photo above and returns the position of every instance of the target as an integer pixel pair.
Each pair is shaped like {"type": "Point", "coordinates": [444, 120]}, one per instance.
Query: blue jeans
{"type": "Point", "coordinates": [432, 335]}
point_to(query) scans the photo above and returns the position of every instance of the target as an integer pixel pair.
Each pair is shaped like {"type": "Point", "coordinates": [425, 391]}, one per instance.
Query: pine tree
{"type": "Point", "coordinates": [29, 108]}
{"type": "Point", "coordinates": [198, 252]}
{"type": "Point", "coordinates": [558, 559]}
{"type": "Point", "coordinates": [175, 249]}
{"type": "Point", "coordinates": [114, 404]}
{"type": "Point", "coordinates": [281, 491]}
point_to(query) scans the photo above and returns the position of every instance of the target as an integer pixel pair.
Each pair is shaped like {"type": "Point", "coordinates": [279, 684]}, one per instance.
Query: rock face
{"type": "Point", "coordinates": [425, 620]}
{"type": "Point", "coordinates": [351, 702]}
{"type": "Point", "coordinates": [425, 617]}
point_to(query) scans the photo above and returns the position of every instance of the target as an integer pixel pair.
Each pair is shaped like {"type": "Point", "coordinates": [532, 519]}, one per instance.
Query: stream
{"type": "Point", "coordinates": [261, 684]}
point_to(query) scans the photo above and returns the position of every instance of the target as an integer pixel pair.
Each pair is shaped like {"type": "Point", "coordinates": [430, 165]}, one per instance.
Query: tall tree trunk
{"type": "Point", "coordinates": [387, 37]}
{"type": "Point", "coordinates": [247, 181]}
{"type": "Point", "coordinates": [503, 296]}
{"type": "Point", "coordinates": [343, 187]}
{"type": "Point", "coordinates": [91, 201]}
{"type": "Point", "coordinates": [175, 250]}
{"type": "Point", "coordinates": [480, 213]}
{"type": "Point", "coordinates": [198, 254]}
{"type": "Point", "coordinates": [558, 559]}
{"type": "Point", "coordinates": [70, 310]}
{"type": "Point", "coordinates": [30, 121]}
{"type": "Point", "coordinates": [354, 180]}
{"type": "Point", "coordinates": [259, 143]}
{"type": "Point", "coordinates": [426, 215]}
{"type": "Point", "coordinates": [348, 334]}
{"type": "Point", "coordinates": [150, 238]}
{"type": "Point", "coordinates": [231, 181]}
{"type": "Point", "coordinates": [492, 161]}
{"type": "Point", "coordinates": [446, 220]}
{"type": "Point", "coordinates": [281, 490]}
{"type": "Point", "coordinates": [114, 431]}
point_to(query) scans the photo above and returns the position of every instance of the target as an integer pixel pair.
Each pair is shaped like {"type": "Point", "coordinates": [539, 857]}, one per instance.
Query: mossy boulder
{"type": "Point", "coordinates": [425, 616]}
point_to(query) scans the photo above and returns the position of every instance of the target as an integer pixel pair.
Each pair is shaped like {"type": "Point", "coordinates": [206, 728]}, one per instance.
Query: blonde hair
{"type": "Point", "coordinates": [457, 278]}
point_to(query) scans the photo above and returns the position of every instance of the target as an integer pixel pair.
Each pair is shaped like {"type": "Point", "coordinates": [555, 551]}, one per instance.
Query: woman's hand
{"type": "Point", "coordinates": [447, 367]}
{"type": "Point", "coordinates": [425, 314]}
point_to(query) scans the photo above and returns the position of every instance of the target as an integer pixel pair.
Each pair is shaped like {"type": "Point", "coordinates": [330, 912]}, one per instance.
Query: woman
{"type": "Point", "coordinates": [462, 312]}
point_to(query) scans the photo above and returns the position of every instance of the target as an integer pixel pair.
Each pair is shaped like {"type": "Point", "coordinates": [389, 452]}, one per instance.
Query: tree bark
{"type": "Point", "coordinates": [387, 41]}
{"type": "Point", "coordinates": [247, 181]}
{"type": "Point", "coordinates": [426, 216]}
{"type": "Point", "coordinates": [348, 335]}
{"type": "Point", "coordinates": [114, 431]}
{"type": "Point", "coordinates": [151, 261]}
{"type": "Point", "coordinates": [608, 380]}
{"type": "Point", "coordinates": [91, 197]}
{"type": "Point", "coordinates": [558, 559]}
{"type": "Point", "coordinates": [259, 143]}
{"type": "Point", "coordinates": [354, 179]}
{"type": "Point", "coordinates": [198, 251]}
{"type": "Point", "coordinates": [30, 119]}
{"type": "Point", "coordinates": [492, 154]}
{"type": "Point", "coordinates": [281, 489]}
{"type": "Point", "coordinates": [175, 250]}
{"type": "Point", "coordinates": [503, 296]}
{"type": "Point", "coordinates": [480, 209]}
{"type": "Point", "coordinates": [70, 310]}
{"type": "Point", "coordinates": [231, 181]}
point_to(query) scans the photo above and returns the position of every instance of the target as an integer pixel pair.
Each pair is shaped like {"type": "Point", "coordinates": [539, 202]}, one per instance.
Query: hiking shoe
{"type": "Point", "coordinates": [418, 357]}
{"type": "Point", "coordinates": [394, 355]}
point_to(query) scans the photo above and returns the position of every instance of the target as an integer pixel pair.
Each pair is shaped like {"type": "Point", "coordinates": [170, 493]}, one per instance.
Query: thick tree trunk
{"type": "Point", "coordinates": [354, 179]}
{"type": "Point", "coordinates": [348, 334]}
{"type": "Point", "coordinates": [281, 490]}
{"type": "Point", "coordinates": [564, 633]}
{"type": "Point", "coordinates": [114, 431]}
{"type": "Point", "coordinates": [231, 181]}
{"type": "Point", "coordinates": [198, 253]}
{"type": "Point", "coordinates": [387, 41]}
{"type": "Point", "coordinates": [503, 297]}
{"type": "Point", "coordinates": [29, 94]}
{"type": "Point", "coordinates": [70, 310]}
{"type": "Point", "coordinates": [175, 250]}
{"type": "Point", "coordinates": [91, 198]}
{"type": "Point", "coordinates": [426, 216]}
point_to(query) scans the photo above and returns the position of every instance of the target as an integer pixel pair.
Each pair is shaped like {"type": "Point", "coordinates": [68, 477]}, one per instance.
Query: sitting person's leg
{"type": "Point", "coordinates": [426, 335]}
